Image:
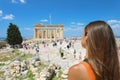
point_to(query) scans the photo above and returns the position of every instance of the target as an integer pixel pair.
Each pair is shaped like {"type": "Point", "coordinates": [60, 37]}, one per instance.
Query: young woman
{"type": "Point", "coordinates": [102, 62]}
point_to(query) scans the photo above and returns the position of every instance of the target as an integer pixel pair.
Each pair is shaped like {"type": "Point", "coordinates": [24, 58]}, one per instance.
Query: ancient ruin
{"type": "Point", "coordinates": [48, 32]}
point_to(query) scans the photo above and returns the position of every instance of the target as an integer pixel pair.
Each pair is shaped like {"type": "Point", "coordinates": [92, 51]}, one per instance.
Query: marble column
{"type": "Point", "coordinates": [34, 33]}
{"type": "Point", "coordinates": [41, 33]}
{"type": "Point", "coordinates": [59, 33]}
{"type": "Point", "coordinates": [37, 33]}
{"type": "Point", "coordinates": [50, 34]}
{"type": "Point", "coordinates": [56, 33]}
{"type": "Point", "coordinates": [45, 34]}
{"type": "Point", "coordinates": [62, 33]}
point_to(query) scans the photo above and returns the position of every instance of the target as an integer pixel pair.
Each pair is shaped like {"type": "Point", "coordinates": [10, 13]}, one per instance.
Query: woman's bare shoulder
{"type": "Point", "coordinates": [77, 72]}
{"type": "Point", "coordinates": [77, 68]}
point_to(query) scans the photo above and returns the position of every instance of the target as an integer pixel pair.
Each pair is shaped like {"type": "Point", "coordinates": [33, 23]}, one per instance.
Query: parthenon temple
{"type": "Point", "coordinates": [48, 32]}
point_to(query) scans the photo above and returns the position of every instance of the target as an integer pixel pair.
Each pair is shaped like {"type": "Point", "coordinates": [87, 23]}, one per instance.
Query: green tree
{"type": "Point", "coordinates": [13, 35]}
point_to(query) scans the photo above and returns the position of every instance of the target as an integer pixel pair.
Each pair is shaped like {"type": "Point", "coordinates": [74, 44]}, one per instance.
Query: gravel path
{"type": "Point", "coordinates": [51, 54]}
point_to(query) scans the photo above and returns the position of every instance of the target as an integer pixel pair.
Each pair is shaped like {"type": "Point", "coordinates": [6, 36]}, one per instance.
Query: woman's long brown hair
{"type": "Point", "coordinates": [102, 51]}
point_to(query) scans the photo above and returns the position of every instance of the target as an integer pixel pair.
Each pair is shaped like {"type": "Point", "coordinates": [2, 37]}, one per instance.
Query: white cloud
{"type": "Point", "coordinates": [76, 23]}
{"type": "Point", "coordinates": [8, 17]}
{"type": "Point", "coordinates": [44, 20]}
{"type": "Point", "coordinates": [17, 1]}
{"type": "Point", "coordinates": [1, 12]}
{"type": "Point", "coordinates": [22, 1]}
{"type": "Point", "coordinates": [114, 23]}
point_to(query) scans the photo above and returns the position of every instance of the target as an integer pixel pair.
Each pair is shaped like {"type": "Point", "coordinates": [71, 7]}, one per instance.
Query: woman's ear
{"type": "Point", "coordinates": [86, 37]}
{"type": "Point", "coordinates": [84, 41]}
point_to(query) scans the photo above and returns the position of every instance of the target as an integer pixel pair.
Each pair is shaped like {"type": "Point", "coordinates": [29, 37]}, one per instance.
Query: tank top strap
{"type": "Point", "coordinates": [89, 70]}
{"type": "Point", "coordinates": [86, 60]}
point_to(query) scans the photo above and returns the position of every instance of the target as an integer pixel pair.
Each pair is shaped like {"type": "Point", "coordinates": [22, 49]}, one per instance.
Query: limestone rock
{"type": "Point", "coordinates": [24, 72]}
{"type": "Point", "coordinates": [37, 63]}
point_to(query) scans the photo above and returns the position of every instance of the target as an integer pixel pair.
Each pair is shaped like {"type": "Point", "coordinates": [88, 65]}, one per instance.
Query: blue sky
{"type": "Point", "coordinates": [74, 14]}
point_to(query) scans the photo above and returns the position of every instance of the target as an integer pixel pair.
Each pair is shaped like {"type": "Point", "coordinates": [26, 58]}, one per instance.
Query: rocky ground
{"type": "Point", "coordinates": [47, 64]}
